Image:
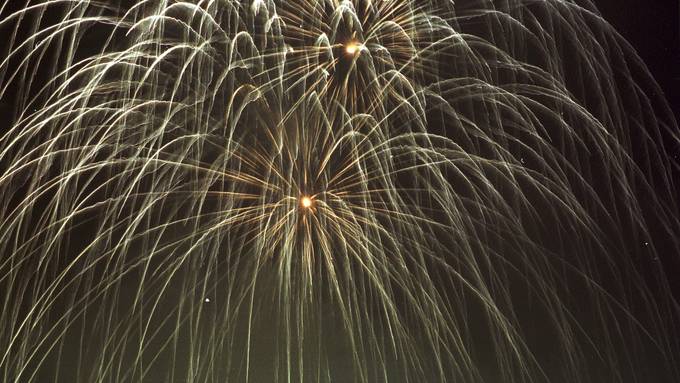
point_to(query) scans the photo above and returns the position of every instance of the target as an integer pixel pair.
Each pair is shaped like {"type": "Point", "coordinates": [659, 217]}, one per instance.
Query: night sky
{"type": "Point", "coordinates": [654, 31]}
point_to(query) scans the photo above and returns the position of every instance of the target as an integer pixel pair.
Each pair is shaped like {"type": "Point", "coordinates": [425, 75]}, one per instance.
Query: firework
{"type": "Point", "coordinates": [370, 191]}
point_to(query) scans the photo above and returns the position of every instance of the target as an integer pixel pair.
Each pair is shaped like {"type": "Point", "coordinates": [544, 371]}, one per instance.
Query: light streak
{"type": "Point", "coordinates": [317, 191]}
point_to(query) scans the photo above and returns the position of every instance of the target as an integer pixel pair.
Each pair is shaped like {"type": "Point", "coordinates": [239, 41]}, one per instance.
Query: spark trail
{"type": "Point", "coordinates": [332, 191]}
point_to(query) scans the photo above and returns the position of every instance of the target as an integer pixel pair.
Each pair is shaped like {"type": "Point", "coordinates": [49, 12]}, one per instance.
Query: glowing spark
{"type": "Point", "coordinates": [306, 202]}
{"type": "Point", "coordinates": [352, 48]}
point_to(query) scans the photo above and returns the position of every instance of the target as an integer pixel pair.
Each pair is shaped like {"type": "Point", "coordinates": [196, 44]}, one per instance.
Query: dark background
{"type": "Point", "coordinates": [653, 28]}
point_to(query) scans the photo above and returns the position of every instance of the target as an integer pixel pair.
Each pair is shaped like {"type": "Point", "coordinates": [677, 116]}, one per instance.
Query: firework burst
{"type": "Point", "coordinates": [370, 191]}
